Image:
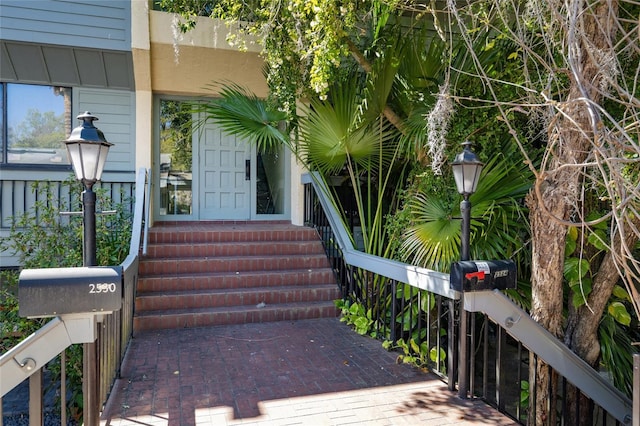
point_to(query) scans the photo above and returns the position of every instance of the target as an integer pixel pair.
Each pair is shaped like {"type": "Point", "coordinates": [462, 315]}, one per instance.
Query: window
{"type": "Point", "coordinates": [35, 121]}
{"type": "Point", "coordinates": [175, 158]}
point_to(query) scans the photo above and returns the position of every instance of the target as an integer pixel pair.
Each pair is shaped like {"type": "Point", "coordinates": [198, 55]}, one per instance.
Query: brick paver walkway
{"type": "Point", "coordinates": [312, 372]}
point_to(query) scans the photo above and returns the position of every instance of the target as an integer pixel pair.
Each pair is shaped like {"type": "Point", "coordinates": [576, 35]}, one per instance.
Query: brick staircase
{"type": "Point", "coordinates": [211, 273]}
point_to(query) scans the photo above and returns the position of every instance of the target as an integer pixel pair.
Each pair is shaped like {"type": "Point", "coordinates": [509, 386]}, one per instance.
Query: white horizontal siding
{"type": "Point", "coordinates": [116, 118]}
{"type": "Point", "coordinates": [102, 24]}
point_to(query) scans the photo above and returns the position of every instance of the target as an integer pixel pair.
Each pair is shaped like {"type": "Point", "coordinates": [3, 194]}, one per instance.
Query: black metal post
{"type": "Point", "coordinates": [463, 359]}
{"type": "Point", "coordinates": [91, 415]}
{"type": "Point", "coordinates": [89, 218]}
{"type": "Point", "coordinates": [465, 210]}
{"type": "Point", "coordinates": [636, 390]}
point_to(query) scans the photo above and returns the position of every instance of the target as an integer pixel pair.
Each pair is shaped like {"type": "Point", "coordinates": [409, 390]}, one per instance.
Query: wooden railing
{"type": "Point", "coordinates": [114, 330]}
{"type": "Point", "coordinates": [117, 328]}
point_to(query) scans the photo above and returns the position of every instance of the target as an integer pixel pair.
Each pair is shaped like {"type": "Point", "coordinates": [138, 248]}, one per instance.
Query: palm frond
{"type": "Point", "coordinates": [243, 114]}
{"type": "Point", "coordinates": [333, 132]}
{"type": "Point", "coordinates": [498, 219]}
{"type": "Point", "coordinates": [434, 240]}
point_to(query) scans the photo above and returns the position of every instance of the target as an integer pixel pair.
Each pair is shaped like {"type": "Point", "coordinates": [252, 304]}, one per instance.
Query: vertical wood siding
{"type": "Point", "coordinates": [116, 118]}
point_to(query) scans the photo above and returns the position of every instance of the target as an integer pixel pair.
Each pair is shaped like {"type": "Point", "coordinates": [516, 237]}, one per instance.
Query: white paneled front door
{"type": "Point", "coordinates": [225, 185]}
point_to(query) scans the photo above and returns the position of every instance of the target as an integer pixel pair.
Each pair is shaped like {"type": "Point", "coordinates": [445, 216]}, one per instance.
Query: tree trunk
{"type": "Point", "coordinates": [583, 338]}
{"type": "Point", "coordinates": [548, 239]}
{"type": "Point", "coordinates": [555, 196]}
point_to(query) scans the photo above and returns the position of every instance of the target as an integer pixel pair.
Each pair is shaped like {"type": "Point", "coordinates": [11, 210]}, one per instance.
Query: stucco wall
{"type": "Point", "coordinates": [187, 64]}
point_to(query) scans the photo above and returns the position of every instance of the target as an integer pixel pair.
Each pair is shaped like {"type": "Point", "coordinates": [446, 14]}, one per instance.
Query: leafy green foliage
{"type": "Point", "coordinates": [334, 134]}
{"type": "Point", "coordinates": [414, 353]}
{"type": "Point", "coordinates": [43, 238]}
{"type": "Point", "coordinates": [354, 314]}
{"type": "Point", "coordinates": [303, 41]}
{"type": "Point", "coordinates": [241, 113]}
{"type": "Point", "coordinates": [618, 326]}
{"type": "Point", "coordinates": [617, 349]}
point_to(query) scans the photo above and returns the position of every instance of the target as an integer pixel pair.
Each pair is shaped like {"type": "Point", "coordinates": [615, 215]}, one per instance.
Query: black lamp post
{"type": "Point", "coordinates": [87, 149]}
{"type": "Point", "coordinates": [466, 171]}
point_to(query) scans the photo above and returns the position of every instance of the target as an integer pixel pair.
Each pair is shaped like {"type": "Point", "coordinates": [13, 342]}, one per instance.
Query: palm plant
{"type": "Point", "coordinates": [352, 133]}
{"type": "Point", "coordinates": [498, 224]}
{"type": "Point", "coordinates": [241, 113]}
{"type": "Point", "coordinates": [337, 136]}
{"type": "Point", "coordinates": [334, 136]}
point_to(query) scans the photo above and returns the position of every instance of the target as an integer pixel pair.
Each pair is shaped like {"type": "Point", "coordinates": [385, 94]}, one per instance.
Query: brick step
{"type": "Point", "coordinates": [197, 299]}
{"type": "Point", "coordinates": [217, 233]}
{"type": "Point", "coordinates": [176, 318]}
{"type": "Point", "coordinates": [210, 273]}
{"type": "Point", "coordinates": [247, 279]}
{"type": "Point", "coordinates": [178, 266]}
{"type": "Point", "coordinates": [249, 248]}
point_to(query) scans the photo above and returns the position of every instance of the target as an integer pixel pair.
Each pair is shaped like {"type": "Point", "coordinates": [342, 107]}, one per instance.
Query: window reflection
{"type": "Point", "coordinates": [38, 119]}
{"type": "Point", "coordinates": [175, 158]}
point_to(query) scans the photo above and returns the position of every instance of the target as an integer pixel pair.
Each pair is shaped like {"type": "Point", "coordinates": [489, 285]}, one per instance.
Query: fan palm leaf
{"type": "Point", "coordinates": [333, 134]}
{"type": "Point", "coordinates": [243, 114]}
{"type": "Point", "coordinates": [434, 240]}
{"type": "Point", "coordinates": [498, 222]}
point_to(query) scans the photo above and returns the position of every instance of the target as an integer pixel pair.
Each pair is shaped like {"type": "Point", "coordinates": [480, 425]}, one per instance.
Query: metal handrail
{"type": "Point", "coordinates": [493, 304]}
{"type": "Point", "coordinates": [140, 228]}
{"type": "Point", "coordinates": [538, 340]}
{"type": "Point", "coordinates": [121, 324]}
{"type": "Point", "coordinates": [422, 278]}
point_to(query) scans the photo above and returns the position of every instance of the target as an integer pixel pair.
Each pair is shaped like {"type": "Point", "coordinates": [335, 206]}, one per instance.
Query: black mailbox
{"type": "Point", "coordinates": [55, 291]}
{"type": "Point", "coordinates": [473, 275]}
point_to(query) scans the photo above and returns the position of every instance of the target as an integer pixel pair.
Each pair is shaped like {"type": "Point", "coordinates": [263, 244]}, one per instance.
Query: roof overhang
{"type": "Point", "coordinates": [65, 66]}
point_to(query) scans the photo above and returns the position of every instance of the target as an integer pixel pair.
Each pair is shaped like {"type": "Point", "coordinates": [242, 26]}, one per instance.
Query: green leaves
{"type": "Point", "coordinates": [598, 238]}
{"type": "Point", "coordinates": [354, 314]}
{"type": "Point", "coordinates": [436, 355]}
{"type": "Point", "coordinates": [575, 272]}
{"type": "Point", "coordinates": [577, 269]}
{"type": "Point", "coordinates": [619, 312]}
{"type": "Point", "coordinates": [434, 240]}
{"type": "Point", "coordinates": [243, 114]}
{"type": "Point", "coordinates": [498, 219]}
{"type": "Point", "coordinates": [334, 135]}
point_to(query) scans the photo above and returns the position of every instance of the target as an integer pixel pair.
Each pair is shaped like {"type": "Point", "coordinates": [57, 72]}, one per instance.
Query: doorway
{"type": "Point", "coordinates": [206, 174]}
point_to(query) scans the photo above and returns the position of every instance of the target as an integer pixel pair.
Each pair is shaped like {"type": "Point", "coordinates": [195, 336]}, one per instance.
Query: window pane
{"type": "Point", "coordinates": [38, 120]}
{"type": "Point", "coordinates": [175, 158]}
{"type": "Point", "coordinates": [271, 182]}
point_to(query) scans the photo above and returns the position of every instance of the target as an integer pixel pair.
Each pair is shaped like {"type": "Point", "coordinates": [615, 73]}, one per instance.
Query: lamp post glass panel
{"type": "Point", "coordinates": [87, 149]}
{"type": "Point", "coordinates": [466, 172]}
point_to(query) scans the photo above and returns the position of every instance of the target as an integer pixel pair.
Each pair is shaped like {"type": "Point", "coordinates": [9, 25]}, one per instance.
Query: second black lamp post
{"type": "Point", "coordinates": [466, 172]}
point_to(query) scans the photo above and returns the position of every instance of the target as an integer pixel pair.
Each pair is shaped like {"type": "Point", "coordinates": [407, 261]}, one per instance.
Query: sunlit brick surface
{"type": "Point", "coordinates": [311, 372]}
